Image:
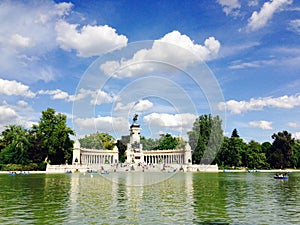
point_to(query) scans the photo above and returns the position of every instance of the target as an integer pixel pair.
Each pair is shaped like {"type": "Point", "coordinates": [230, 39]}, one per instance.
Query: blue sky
{"type": "Point", "coordinates": [100, 62]}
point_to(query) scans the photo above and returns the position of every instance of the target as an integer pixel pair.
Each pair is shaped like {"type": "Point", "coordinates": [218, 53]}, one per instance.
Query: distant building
{"type": "Point", "coordinates": [134, 153]}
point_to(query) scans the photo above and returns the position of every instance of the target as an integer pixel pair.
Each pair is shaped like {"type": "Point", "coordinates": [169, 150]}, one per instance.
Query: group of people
{"type": "Point", "coordinates": [281, 175]}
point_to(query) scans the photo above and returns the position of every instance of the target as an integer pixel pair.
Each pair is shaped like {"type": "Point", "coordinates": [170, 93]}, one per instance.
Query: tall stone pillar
{"type": "Point", "coordinates": [134, 150]}
{"type": "Point", "coordinates": [188, 154]}
{"type": "Point", "coordinates": [76, 153]}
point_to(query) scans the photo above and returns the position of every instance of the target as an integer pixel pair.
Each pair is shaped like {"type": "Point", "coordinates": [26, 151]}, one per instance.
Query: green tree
{"type": "Point", "coordinates": [221, 158]}
{"type": "Point", "coordinates": [97, 141]}
{"type": "Point", "coordinates": [296, 149]}
{"type": "Point", "coordinates": [122, 149]}
{"type": "Point", "coordinates": [107, 140]}
{"type": "Point", "coordinates": [15, 145]}
{"type": "Point", "coordinates": [181, 143]}
{"type": "Point", "coordinates": [265, 147]}
{"type": "Point", "coordinates": [149, 143]}
{"type": "Point", "coordinates": [52, 139]}
{"type": "Point", "coordinates": [91, 141]}
{"type": "Point", "coordinates": [215, 141]}
{"type": "Point", "coordinates": [254, 157]}
{"type": "Point", "coordinates": [232, 152]}
{"type": "Point", "coordinates": [281, 154]}
{"type": "Point", "coordinates": [236, 150]}
{"type": "Point", "coordinates": [205, 138]}
{"type": "Point", "coordinates": [167, 141]}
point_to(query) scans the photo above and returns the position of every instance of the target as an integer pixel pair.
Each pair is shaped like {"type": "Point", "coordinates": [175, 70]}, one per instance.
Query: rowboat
{"type": "Point", "coordinates": [281, 177]}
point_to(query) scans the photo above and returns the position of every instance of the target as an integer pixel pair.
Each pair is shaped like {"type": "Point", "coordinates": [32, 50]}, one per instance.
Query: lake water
{"type": "Point", "coordinates": [136, 198]}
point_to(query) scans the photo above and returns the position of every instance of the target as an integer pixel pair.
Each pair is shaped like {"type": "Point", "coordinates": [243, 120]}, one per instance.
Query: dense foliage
{"type": "Point", "coordinates": [165, 142]}
{"type": "Point", "coordinates": [284, 152]}
{"type": "Point", "coordinates": [205, 138]}
{"type": "Point", "coordinates": [234, 152]}
{"type": "Point", "coordinates": [47, 141]}
{"type": "Point", "coordinates": [97, 141]}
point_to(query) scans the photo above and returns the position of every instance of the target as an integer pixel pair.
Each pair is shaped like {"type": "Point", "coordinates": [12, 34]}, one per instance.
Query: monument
{"type": "Point", "coordinates": [136, 154]}
{"type": "Point", "coordinates": [146, 160]}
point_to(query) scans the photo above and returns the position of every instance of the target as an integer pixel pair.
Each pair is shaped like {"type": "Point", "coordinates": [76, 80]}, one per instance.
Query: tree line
{"type": "Point", "coordinates": [234, 152]}
{"type": "Point", "coordinates": [49, 141]}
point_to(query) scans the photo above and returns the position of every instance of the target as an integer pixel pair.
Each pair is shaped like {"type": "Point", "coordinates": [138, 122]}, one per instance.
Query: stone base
{"type": "Point", "coordinates": [66, 168]}
{"type": "Point", "coordinates": [126, 167]}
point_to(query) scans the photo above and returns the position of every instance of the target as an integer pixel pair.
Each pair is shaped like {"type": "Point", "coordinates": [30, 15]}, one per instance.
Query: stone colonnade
{"type": "Point", "coordinates": [89, 156]}
{"type": "Point", "coordinates": [97, 159]}
{"type": "Point", "coordinates": [163, 158]}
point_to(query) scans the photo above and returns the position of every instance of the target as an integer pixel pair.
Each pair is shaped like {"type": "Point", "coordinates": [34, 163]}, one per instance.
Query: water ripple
{"type": "Point", "coordinates": [185, 198]}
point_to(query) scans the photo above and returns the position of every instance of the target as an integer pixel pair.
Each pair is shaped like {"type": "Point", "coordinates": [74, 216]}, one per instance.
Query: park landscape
{"type": "Point", "coordinates": [207, 84]}
{"type": "Point", "coordinates": [50, 142]}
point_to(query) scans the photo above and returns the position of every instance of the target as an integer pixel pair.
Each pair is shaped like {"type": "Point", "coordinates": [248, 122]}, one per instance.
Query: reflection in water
{"type": "Point", "coordinates": [259, 199]}
{"type": "Point", "coordinates": [35, 199]}
{"type": "Point", "coordinates": [124, 202]}
{"type": "Point", "coordinates": [210, 198]}
{"type": "Point", "coordinates": [183, 198]}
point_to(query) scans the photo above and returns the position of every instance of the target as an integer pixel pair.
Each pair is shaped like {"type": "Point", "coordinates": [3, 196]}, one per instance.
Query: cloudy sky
{"type": "Point", "coordinates": [100, 62]}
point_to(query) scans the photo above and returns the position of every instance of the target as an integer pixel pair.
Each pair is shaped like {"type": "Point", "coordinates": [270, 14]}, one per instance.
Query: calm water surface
{"type": "Point", "coordinates": [134, 198]}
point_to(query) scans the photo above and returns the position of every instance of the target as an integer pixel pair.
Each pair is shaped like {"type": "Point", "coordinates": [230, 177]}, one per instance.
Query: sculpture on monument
{"type": "Point", "coordinates": [135, 118]}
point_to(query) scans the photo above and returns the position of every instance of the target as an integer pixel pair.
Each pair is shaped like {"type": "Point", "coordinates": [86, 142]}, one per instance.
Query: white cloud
{"type": "Point", "coordinates": [90, 40]}
{"type": "Point", "coordinates": [252, 64]}
{"type": "Point", "coordinates": [12, 87]}
{"type": "Point", "coordinates": [7, 114]}
{"type": "Point", "coordinates": [55, 94]}
{"type": "Point", "coordinates": [103, 124]}
{"type": "Point", "coordinates": [184, 120]}
{"type": "Point", "coordinates": [252, 2]}
{"type": "Point", "coordinates": [286, 57]}
{"type": "Point", "coordinates": [121, 107]}
{"type": "Point", "coordinates": [174, 48]}
{"type": "Point", "coordinates": [293, 124]}
{"type": "Point", "coordinates": [238, 107]}
{"type": "Point", "coordinates": [260, 19]}
{"type": "Point", "coordinates": [22, 103]}
{"type": "Point", "coordinates": [81, 94]}
{"type": "Point", "coordinates": [242, 65]}
{"type": "Point", "coordinates": [230, 6]}
{"type": "Point", "coordinates": [143, 105]}
{"type": "Point", "coordinates": [96, 97]}
{"type": "Point", "coordinates": [27, 34]}
{"type": "Point", "coordinates": [237, 48]}
{"type": "Point", "coordinates": [139, 107]}
{"type": "Point", "coordinates": [295, 26]}
{"type": "Point", "coordinates": [19, 114]}
{"type": "Point", "coordinates": [100, 97]}
{"type": "Point", "coordinates": [296, 135]}
{"type": "Point", "coordinates": [19, 41]}
{"type": "Point", "coordinates": [265, 125]}
{"type": "Point", "coordinates": [63, 8]}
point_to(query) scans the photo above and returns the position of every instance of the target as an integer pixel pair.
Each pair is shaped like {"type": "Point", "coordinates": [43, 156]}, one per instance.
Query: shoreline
{"type": "Point", "coordinates": [261, 171]}
{"type": "Point", "coordinates": [219, 171]}
{"type": "Point", "coordinates": [24, 172]}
